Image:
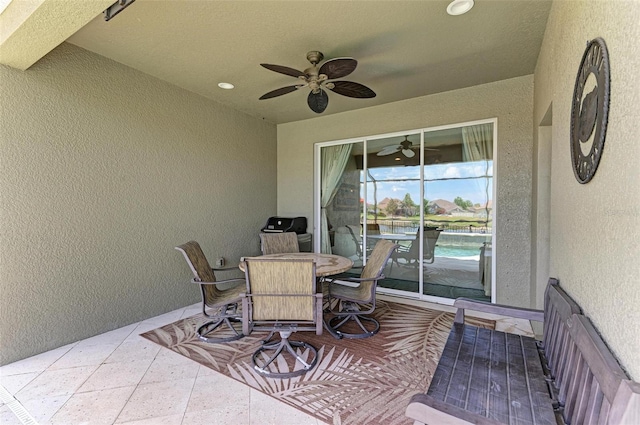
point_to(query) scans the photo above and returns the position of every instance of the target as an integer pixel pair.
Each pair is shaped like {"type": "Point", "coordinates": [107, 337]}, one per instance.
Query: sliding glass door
{"type": "Point", "coordinates": [428, 190]}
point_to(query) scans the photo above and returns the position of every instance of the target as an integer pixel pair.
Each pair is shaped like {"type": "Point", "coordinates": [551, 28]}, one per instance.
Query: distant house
{"type": "Point", "coordinates": [382, 205]}
{"type": "Point", "coordinates": [482, 211]}
{"type": "Point", "coordinates": [444, 207]}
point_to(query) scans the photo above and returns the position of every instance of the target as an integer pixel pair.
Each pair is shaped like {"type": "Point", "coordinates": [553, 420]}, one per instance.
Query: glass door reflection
{"type": "Point", "coordinates": [430, 191]}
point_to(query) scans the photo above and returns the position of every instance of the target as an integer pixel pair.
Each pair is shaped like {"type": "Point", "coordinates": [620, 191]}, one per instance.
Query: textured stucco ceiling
{"type": "Point", "coordinates": [404, 49]}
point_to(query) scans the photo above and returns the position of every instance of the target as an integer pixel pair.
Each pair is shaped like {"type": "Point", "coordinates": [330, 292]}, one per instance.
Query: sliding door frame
{"type": "Point", "coordinates": [421, 131]}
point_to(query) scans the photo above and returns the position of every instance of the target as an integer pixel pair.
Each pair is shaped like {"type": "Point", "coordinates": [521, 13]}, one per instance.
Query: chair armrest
{"type": "Point", "coordinates": [423, 408]}
{"type": "Point", "coordinates": [225, 268]}
{"type": "Point", "coordinates": [355, 279]}
{"type": "Point", "coordinates": [503, 310]}
{"type": "Point", "coordinates": [218, 282]}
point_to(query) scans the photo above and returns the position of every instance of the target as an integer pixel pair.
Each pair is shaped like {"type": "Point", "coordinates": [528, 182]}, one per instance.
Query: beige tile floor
{"type": "Point", "coordinates": [120, 378]}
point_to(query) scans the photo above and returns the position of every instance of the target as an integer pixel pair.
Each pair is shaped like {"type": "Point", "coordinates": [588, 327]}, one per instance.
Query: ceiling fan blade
{"type": "Point", "coordinates": [351, 89]}
{"type": "Point", "coordinates": [338, 68]}
{"type": "Point", "coordinates": [279, 92]}
{"type": "Point", "coordinates": [284, 70]}
{"type": "Point", "coordinates": [408, 153]}
{"type": "Point", "coordinates": [388, 150]}
{"type": "Point", "coordinates": [318, 102]}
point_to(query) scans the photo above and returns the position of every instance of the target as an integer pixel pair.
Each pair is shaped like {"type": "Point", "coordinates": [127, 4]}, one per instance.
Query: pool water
{"type": "Point", "coordinates": [456, 251]}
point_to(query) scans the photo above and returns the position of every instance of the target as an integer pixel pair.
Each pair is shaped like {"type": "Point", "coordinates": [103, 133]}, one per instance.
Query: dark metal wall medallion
{"type": "Point", "coordinates": [590, 110]}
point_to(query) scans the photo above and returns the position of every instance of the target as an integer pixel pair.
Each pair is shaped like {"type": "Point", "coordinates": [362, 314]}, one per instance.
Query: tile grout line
{"type": "Point", "coordinates": [16, 407]}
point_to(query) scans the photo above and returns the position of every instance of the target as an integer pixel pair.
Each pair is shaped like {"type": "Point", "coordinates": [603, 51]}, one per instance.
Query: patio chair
{"type": "Point", "coordinates": [219, 305]}
{"type": "Point", "coordinates": [281, 297]}
{"type": "Point", "coordinates": [410, 255]}
{"type": "Point", "coordinates": [352, 298]}
{"type": "Point", "coordinates": [372, 229]}
{"type": "Point", "coordinates": [348, 243]}
{"type": "Point", "coordinates": [279, 243]}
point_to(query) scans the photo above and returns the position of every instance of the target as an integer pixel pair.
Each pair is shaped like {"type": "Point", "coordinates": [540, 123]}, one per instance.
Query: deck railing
{"type": "Point", "coordinates": [411, 226]}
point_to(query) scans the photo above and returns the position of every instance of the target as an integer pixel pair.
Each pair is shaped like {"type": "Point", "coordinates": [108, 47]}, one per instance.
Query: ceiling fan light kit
{"type": "Point", "coordinates": [459, 7]}
{"type": "Point", "coordinates": [404, 147]}
{"type": "Point", "coordinates": [316, 79]}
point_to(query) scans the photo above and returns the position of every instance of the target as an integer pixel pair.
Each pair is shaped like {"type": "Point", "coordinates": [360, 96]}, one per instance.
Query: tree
{"type": "Point", "coordinates": [392, 207]}
{"type": "Point", "coordinates": [426, 206]}
{"type": "Point", "coordinates": [408, 206]}
{"type": "Point", "coordinates": [462, 203]}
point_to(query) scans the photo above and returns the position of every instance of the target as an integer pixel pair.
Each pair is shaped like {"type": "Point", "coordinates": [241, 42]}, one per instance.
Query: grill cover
{"type": "Point", "coordinates": [286, 224]}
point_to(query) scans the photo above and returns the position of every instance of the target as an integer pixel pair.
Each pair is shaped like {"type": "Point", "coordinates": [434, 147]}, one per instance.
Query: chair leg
{"type": "Point", "coordinates": [225, 323]}
{"type": "Point", "coordinates": [351, 312]}
{"type": "Point", "coordinates": [270, 369]}
{"type": "Point", "coordinates": [336, 322]}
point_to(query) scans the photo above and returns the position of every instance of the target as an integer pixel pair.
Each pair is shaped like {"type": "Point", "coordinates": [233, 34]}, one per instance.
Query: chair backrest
{"type": "Point", "coordinates": [430, 237]}
{"type": "Point", "coordinates": [558, 308]}
{"type": "Point", "coordinates": [279, 243]}
{"type": "Point", "coordinates": [200, 267]}
{"type": "Point", "coordinates": [357, 239]}
{"type": "Point", "coordinates": [346, 243]}
{"type": "Point", "coordinates": [373, 229]}
{"type": "Point", "coordinates": [281, 290]}
{"type": "Point", "coordinates": [378, 259]}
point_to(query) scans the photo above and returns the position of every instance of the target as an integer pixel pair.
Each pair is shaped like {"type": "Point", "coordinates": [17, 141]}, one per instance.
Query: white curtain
{"type": "Point", "coordinates": [477, 142]}
{"type": "Point", "coordinates": [334, 160]}
{"type": "Point", "coordinates": [477, 145]}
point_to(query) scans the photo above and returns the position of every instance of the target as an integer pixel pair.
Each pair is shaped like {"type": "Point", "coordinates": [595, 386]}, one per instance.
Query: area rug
{"type": "Point", "coordinates": [356, 381]}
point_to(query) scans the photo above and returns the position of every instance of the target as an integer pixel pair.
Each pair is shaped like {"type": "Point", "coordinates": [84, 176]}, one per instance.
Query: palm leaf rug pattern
{"type": "Point", "coordinates": [356, 381]}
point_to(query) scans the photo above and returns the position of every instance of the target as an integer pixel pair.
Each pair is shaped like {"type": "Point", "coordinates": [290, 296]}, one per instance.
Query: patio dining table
{"type": "Point", "coordinates": [395, 237]}
{"type": "Point", "coordinates": [326, 264]}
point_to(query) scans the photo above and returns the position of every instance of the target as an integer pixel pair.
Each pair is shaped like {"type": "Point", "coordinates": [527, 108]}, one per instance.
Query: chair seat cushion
{"type": "Point", "coordinates": [226, 296]}
{"type": "Point", "coordinates": [350, 293]}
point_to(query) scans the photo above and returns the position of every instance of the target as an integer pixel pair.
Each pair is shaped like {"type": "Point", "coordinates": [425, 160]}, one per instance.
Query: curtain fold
{"type": "Point", "coordinates": [477, 142]}
{"type": "Point", "coordinates": [477, 145]}
{"type": "Point", "coordinates": [334, 160]}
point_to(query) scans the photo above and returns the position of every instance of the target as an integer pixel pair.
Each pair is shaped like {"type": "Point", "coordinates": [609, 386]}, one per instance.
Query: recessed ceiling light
{"type": "Point", "coordinates": [459, 7]}
{"type": "Point", "coordinates": [226, 86]}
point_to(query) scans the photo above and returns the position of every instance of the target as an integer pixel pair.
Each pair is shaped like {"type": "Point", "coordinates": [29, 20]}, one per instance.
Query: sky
{"type": "Point", "coordinates": [389, 184]}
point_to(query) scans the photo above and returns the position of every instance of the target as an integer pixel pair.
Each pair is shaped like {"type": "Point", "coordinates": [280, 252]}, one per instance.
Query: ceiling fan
{"type": "Point", "coordinates": [404, 146]}
{"type": "Point", "coordinates": [317, 80]}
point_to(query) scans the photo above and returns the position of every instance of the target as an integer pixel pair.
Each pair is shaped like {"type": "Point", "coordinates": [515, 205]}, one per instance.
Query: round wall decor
{"type": "Point", "coordinates": [590, 110]}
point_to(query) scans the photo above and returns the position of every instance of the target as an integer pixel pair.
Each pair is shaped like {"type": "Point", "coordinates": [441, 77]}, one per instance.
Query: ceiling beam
{"type": "Point", "coordinates": [29, 29]}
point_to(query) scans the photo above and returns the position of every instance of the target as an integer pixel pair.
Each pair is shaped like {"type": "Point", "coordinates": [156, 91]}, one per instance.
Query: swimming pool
{"type": "Point", "coordinates": [456, 251]}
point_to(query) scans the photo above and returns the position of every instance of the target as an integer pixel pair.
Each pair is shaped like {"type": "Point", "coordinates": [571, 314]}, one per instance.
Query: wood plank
{"type": "Point", "coordinates": [563, 380]}
{"type": "Point", "coordinates": [519, 400]}
{"type": "Point", "coordinates": [594, 403]}
{"type": "Point", "coordinates": [503, 310]}
{"type": "Point", "coordinates": [498, 407]}
{"type": "Point", "coordinates": [426, 409]}
{"type": "Point", "coordinates": [541, 403]}
{"type": "Point", "coordinates": [477, 400]}
{"type": "Point", "coordinates": [444, 371]}
{"type": "Point", "coordinates": [459, 384]}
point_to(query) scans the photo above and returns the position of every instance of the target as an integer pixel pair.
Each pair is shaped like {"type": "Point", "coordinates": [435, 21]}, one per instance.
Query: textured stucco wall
{"type": "Point", "coordinates": [511, 101]}
{"type": "Point", "coordinates": [595, 228]}
{"type": "Point", "coordinates": [103, 171]}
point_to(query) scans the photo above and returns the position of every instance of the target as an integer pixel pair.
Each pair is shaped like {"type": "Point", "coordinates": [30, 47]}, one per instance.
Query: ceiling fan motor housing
{"type": "Point", "coordinates": [315, 57]}
{"type": "Point", "coordinates": [317, 80]}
